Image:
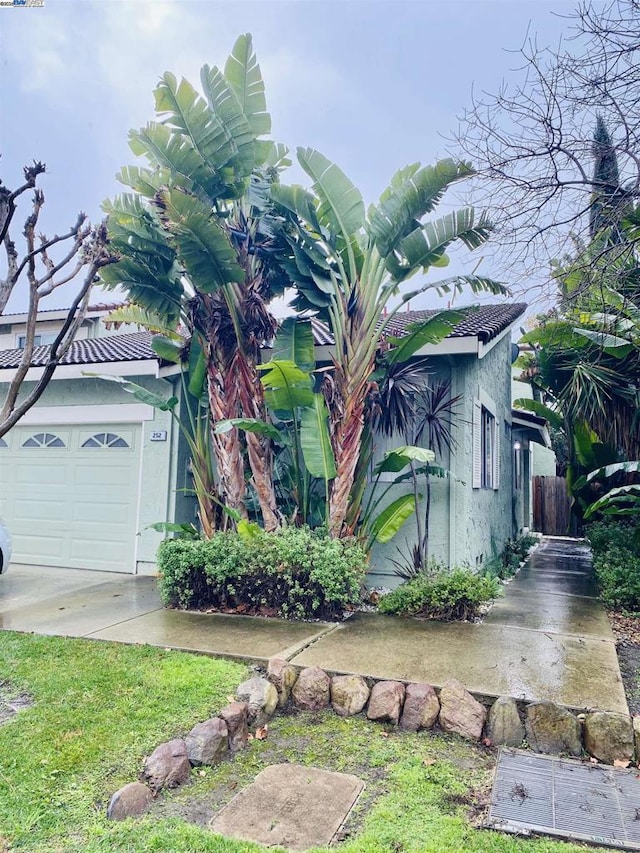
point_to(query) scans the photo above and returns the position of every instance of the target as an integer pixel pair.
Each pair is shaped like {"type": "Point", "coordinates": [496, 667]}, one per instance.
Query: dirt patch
{"type": "Point", "coordinates": [626, 630]}
{"type": "Point", "coordinates": [12, 701]}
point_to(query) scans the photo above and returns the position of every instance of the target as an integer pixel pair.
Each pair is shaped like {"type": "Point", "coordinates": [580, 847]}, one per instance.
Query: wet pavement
{"type": "Point", "coordinates": [546, 638]}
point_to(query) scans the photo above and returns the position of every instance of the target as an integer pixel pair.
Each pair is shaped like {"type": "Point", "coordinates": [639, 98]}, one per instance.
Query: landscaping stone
{"type": "Point", "coordinates": [132, 800]}
{"type": "Point", "coordinates": [349, 694]}
{"type": "Point", "coordinates": [168, 765]}
{"type": "Point", "coordinates": [208, 742]}
{"type": "Point", "coordinates": [385, 703]}
{"type": "Point", "coordinates": [421, 708]}
{"type": "Point", "coordinates": [636, 735]}
{"type": "Point", "coordinates": [236, 716]}
{"type": "Point", "coordinates": [283, 676]}
{"type": "Point", "coordinates": [552, 729]}
{"type": "Point", "coordinates": [609, 737]}
{"type": "Point", "coordinates": [311, 690]}
{"type": "Point", "coordinates": [504, 726]}
{"type": "Point", "coordinates": [460, 713]}
{"type": "Point", "coordinates": [261, 698]}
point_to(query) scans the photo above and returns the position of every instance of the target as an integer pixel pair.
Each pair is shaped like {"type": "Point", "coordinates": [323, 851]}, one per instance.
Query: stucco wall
{"type": "Point", "coordinates": [382, 568]}
{"type": "Point", "coordinates": [158, 471]}
{"type": "Point", "coordinates": [482, 519]}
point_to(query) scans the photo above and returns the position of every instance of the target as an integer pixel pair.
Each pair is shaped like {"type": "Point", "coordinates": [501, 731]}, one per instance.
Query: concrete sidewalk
{"type": "Point", "coordinates": [546, 638]}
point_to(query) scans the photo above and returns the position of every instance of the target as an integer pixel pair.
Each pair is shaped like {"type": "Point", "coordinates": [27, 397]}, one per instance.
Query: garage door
{"type": "Point", "coordinates": [70, 495]}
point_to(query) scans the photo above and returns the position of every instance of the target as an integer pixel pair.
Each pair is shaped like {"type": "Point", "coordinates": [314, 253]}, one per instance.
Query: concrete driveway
{"type": "Point", "coordinates": [548, 637]}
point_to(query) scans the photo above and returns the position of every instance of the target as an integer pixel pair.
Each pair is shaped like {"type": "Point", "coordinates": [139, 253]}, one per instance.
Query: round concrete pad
{"type": "Point", "coordinates": [290, 806]}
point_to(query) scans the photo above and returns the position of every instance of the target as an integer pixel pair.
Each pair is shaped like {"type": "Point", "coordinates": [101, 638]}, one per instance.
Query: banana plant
{"type": "Point", "coordinates": [349, 266]}
{"type": "Point", "coordinates": [197, 246]}
{"type": "Point", "coordinates": [297, 425]}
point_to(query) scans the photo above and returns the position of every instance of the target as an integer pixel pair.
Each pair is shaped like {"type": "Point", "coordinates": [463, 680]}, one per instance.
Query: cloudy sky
{"type": "Point", "coordinates": [373, 84]}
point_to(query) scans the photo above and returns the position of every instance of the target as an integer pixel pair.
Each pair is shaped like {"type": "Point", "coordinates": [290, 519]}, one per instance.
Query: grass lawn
{"type": "Point", "coordinates": [99, 708]}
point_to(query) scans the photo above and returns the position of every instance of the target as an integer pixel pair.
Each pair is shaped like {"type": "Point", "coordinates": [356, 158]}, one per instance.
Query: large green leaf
{"type": "Point", "coordinates": [299, 201]}
{"type": "Point", "coordinates": [612, 344]}
{"type": "Point", "coordinates": [287, 387]}
{"type": "Point", "coordinates": [632, 467]}
{"type": "Point", "coordinates": [250, 425]}
{"type": "Point", "coordinates": [315, 441]}
{"type": "Point", "coordinates": [537, 408]}
{"type": "Point", "coordinates": [386, 525]}
{"type": "Point", "coordinates": [197, 368]}
{"type": "Point", "coordinates": [234, 124]}
{"type": "Point", "coordinates": [294, 342]}
{"type": "Point", "coordinates": [431, 331]}
{"type": "Point", "coordinates": [202, 244]}
{"type": "Point", "coordinates": [625, 500]}
{"type": "Point", "coordinates": [396, 460]}
{"type": "Point", "coordinates": [175, 152]}
{"type": "Point", "coordinates": [425, 246]}
{"type": "Point", "coordinates": [341, 205]}
{"type": "Point", "coordinates": [413, 192]}
{"type": "Point", "coordinates": [166, 349]}
{"type": "Point", "coordinates": [136, 315]}
{"type": "Point", "coordinates": [143, 395]}
{"type": "Point", "coordinates": [243, 74]}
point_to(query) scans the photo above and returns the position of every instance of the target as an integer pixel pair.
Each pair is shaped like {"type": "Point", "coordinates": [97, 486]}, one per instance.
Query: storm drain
{"type": "Point", "coordinates": [570, 799]}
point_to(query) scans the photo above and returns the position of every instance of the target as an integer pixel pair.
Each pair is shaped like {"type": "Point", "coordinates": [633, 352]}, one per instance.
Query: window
{"type": "Point", "coordinates": [38, 340]}
{"type": "Point", "coordinates": [486, 445]}
{"type": "Point", "coordinates": [105, 439]}
{"type": "Point", "coordinates": [488, 433]}
{"type": "Point", "coordinates": [44, 439]}
{"type": "Point", "coordinates": [3, 443]}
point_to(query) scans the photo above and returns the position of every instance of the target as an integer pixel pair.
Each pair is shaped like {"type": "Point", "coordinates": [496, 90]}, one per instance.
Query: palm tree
{"type": "Point", "coordinates": [197, 246]}
{"type": "Point", "coordinates": [349, 265]}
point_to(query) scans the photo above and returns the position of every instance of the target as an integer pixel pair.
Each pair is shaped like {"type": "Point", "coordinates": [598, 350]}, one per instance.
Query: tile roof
{"type": "Point", "coordinates": [135, 346]}
{"type": "Point", "coordinates": [485, 323]}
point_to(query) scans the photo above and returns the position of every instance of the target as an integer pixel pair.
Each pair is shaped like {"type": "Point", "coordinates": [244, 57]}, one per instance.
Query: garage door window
{"type": "Point", "coordinates": [105, 439]}
{"type": "Point", "coordinates": [3, 443]}
{"type": "Point", "coordinates": [44, 439]}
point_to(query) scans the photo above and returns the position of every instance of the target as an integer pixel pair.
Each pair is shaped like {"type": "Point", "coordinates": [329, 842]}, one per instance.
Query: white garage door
{"type": "Point", "coordinates": [70, 495]}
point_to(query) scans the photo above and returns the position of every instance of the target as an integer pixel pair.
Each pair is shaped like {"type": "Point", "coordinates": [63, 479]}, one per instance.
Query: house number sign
{"type": "Point", "coordinates": [159, 435]}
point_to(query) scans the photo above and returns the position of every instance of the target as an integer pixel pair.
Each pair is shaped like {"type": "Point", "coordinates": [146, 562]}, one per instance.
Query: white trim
{"type": "Point", "coordinates": [147, 367]}
{"type": "Point", "coordinates": [138, 532]}
{"type": "Point", "coordinates": [452, 346]}
{"type": "Point", "coordinates": [112, 414]}
{"type": "Point", "coordinates": [487, 402]}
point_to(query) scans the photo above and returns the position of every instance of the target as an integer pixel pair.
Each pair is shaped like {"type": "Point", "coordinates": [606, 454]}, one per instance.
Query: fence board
{"type": "Point", "coordinates": [551, 507]}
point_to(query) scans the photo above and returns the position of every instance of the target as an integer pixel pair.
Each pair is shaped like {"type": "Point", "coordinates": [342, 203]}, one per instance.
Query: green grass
{"type": "Point", "coordinates": [100, 708]}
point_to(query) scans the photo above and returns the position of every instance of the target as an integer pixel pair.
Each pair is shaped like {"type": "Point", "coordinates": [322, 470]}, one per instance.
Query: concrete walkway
{"type": "Point", "coordinates": [546, 638]}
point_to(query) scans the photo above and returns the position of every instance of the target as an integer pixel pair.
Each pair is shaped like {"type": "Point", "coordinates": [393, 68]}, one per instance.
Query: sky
{"type": "Point", "coordinates": [373, 84]}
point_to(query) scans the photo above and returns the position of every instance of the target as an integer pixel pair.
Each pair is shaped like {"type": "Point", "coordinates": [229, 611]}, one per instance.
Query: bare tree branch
{"type": "Point", "coordinates": [532, 142]}
{"type": "Point", "coordinates": [86, 248]}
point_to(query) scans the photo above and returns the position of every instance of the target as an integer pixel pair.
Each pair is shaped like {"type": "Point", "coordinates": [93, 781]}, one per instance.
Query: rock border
{"type": "Point", "coordinates": [543, 726]}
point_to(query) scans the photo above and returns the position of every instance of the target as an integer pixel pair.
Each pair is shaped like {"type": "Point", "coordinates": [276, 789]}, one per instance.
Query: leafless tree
{"type": "Point", "coordinates": [43, 266]}
{"type": "Point", "coordinates": [533, 142]}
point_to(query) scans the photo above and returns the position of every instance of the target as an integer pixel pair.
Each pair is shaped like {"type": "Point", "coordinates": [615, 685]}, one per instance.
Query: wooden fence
{"type": "Point", "coordinates": [551, 507]}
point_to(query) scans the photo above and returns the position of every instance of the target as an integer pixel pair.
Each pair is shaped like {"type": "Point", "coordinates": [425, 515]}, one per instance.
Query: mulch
{"type": "Point", "coordinates": [626, 630]}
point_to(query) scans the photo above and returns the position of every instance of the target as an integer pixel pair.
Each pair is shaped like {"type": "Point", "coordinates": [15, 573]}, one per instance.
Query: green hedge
{"type": "Point", "coordinates": [441, 594]}
{"type": "Point", "coordinates": [295, 572]}
{"type": "Point", "coordinates": [616, 560]}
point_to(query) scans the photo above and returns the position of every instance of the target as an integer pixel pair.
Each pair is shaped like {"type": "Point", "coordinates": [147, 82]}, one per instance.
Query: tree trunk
{"type": "Point", "coordinates": [347, 428]}
{"type": "Point", "coordinates": [258, 447]}
{"type": "Point", "coordinates": [223, 403]}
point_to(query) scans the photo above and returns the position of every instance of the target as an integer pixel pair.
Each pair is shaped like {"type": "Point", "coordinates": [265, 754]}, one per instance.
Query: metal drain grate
{"type": "Point", "coordinates": [558, 796]}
